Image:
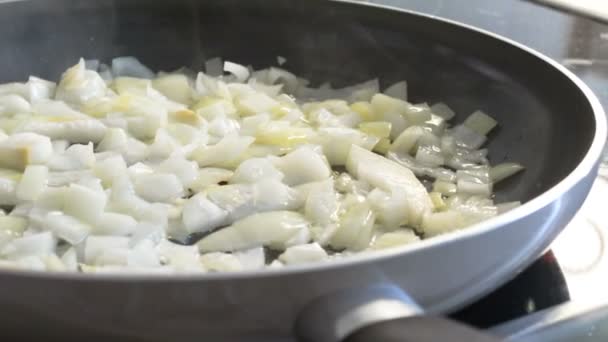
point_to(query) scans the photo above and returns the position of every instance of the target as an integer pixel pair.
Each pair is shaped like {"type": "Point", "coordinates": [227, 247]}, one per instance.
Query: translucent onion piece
{"type": "Point", "coordinates": [13, 104]}
{"type": "Point", "coordinates": [33, 182]}
{"type": "Point", "coordinates": [504, 170]}
{"type": "Point", "coordinates": [201, 215]}
{"type": "Point", "coordinates": [302, 254]}
{"type": "Point", "coordinates": [272, 229]}
{"type": "Point", "coordinates": [355, 228]}
{"type": "Point", "coordinates": [397, 90]}
{"type": "Point", "coordinates": [67, 228]}
{"type": "Point", "coordinates": [304, 165]}
{"type": "Point", "coordinates": [37, 244]}
{"type": "Point", "coordinates": [104, 168]}
{"type": "Point", "coordinates": [22, 149]}
{"type": "Point", "coordinates": [480, 122]}
{"type": "Point", "coordinates": [442, 110]}
{"type": "Point", "coordinates": [386, 174]}
{"type": "Point", "coordinates": [467, 137]}
{"type": "Point", "coordinates": [395, 239]}
{"type": "Point", "coordinates": [131, 67]}
{"type": "Point", "coordinates": [240, 72]}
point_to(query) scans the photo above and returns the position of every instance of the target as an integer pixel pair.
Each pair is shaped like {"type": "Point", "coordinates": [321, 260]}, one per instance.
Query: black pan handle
{"type": "Point", "coordinates": [419, 329]}
{"type": "Point", "coordinates": [379, 313]}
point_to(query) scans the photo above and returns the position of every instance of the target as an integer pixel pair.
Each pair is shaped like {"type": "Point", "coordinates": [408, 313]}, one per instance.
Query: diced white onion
{"type": "Point", "coordinates": [304, 165]}
{"type": "Point", "coordinates": [251, 259]}
{"type": "Point", "coordinates": [131, 67]}
{"type": "Point", "coordinates": [480, 122]}
{"type": "Point", "coordinates": [240, 72]}
{"type": "Point", "coordinates": [100, 172]}
{"type": "Point", "coordinates": [33, 182]}
{"type": "Point", "coordinates": [397, 90]}
{"type": "Point", "coordinates": [35, 244]}
{"type": "Point", "coordinates": [114, 224]}
{"type": "Point", "coordinates": [443, 110]}
{"type": "Point", "coordinates": [201, 215]}
{"type": "Point", "coordinates": [84, 203]}
{"type": "Point", "coordinates": [504, 170]}
{"type": "Point", "coordinates": [158, 187]}
{"type": "Point", "coordinates": [302, 254]}
{"type": "Point", "coordinates": [467, 137]}
{"type": "Point", "coordinates": [395, 239]}
{"type": "Point", "coordinates": [67, 228]}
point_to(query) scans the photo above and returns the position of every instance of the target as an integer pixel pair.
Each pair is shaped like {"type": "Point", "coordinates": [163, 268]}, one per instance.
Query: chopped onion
{"type": "Point", "coordinates": [302, 254]}
{"type": "Point", "coordinates": [389, 206]}
{"type": "Point", "coordinates": [480, 122]}
{"type": "Point", "coordinates": [337, 143]}
{"type": "Point", "coordinates": [181, 258]}
{"type": "Point", "coordinates": [201, 215]}
{"type": "Point", "coordinates": [221, 262]}
{"type": "Point", "coordinates": [227, 150]}
{"type": "Point", "coordinates": [443, 222]}
{"type": "Point", "coordinates": [251, 259]}
{"type": "Point", "coordinates": [240, 72]}
{"type": "Point", "coordinates": [417, 115]}
{"type": "Point", "coordinates": [504, 170]}
{"type": "Point", "coordinates": [13, 104]}
{"type": "Point", "coordinates": [210, 176]}
{"type": "Point", "coordinates": [84, 203]}
{"type": "Point", "coordinates": [79, 85]}
{"type": "Point", "coordinates": [74, 131]}
{"type": "Point", "coordinates": [158, 187]}
{"type": "Point", "coordinates": [32, 183]}
{"type": "Point", "coordinates": [474, 188]}
{"type": "Point", "coordinates": [445, 188]}
{"type": "Point", "coordinates": [114, 224]}
{"type": "Point", "coordinates": [467, 137]}
{"type": "Point", "coordinates": [443, 110]}
{"type": "Point", "coordinates": [67, 228]}
{"type": "Point", "coordinates": [21, 149]}
{"type": "Point", "coordinates": [278, 75]}
{"type": "Point", "coordinates": [386, 174]}
{"type": "Point", "coordinates": [107, 167]}
{"type": "Point", "coordinates": [131, 67]}
{"type": "Point", "coordinates": [407, 140]}
{"type": "Point", "coordinates": [304, 165]}
{"type": "Point", "coordinates": [70, 260]}
{"type": "Point", "coordinates": [395, 239]}
{"type": "Point", "coordinates": [37, 244]}
{"type": "Point", "coordinates": [176, 87]}
{"type": "Point", "coordinates": [254, 169]}
{"type": "Point", "coordinates": [321, 204]}
{"type": "Point", "coordinates": [430, 156]}
{"type": "Point", "coordinates": [397, 90]}
{"type": "Point", "coordinates": [272, 229]}
{"type": "Point", "coordinates": [355, 228]}
{"type": "Point", "coordinates": [255, 103]}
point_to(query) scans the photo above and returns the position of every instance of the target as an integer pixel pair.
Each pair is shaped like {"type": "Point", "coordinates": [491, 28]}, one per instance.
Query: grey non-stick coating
{"type": "Point", "coordinates": [546, 123]}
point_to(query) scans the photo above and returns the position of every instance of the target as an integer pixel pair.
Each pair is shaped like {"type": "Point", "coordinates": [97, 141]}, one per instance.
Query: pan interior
{"type": "Point", "coordinates": [546, 123]}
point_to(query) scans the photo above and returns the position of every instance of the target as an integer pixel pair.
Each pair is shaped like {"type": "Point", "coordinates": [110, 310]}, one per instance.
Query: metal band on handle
{"type": "Point", "coordinates": [335, 316]}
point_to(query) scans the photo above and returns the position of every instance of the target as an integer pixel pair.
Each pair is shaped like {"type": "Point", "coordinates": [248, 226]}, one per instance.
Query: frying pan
{"type": "Point", "coordinates": [549, 121]}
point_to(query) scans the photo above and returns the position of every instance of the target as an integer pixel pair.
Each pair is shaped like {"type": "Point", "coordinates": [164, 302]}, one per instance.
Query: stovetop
{"type": "Point", "coordinates": [574, 271]}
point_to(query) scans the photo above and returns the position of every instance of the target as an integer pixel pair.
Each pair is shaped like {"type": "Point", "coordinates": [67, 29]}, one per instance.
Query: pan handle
{"type": "Point", "coordinates": [382, 313]}
{"type": "Point", "coordinates": [419, 329]}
